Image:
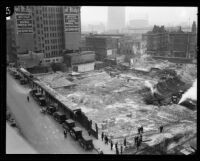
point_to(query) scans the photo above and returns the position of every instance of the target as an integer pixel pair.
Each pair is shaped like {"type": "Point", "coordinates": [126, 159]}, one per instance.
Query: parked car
{"type": "Point", "coordinates": [68, 124]}
{"type": "Point", "coordinates": [17, 76]}
{"type": "Point", "coordinates": [42, 101]}
{"type": "Point", "coordinates": [23, 81]}
{"type": "Point", "coordinates": [59, 117]}
{"type": "Point", "coordinates": [76, 133]}
{"type": "Point", "coordinates": [86, 142]}
{"type": "Point", "coordinates": [51, 109]}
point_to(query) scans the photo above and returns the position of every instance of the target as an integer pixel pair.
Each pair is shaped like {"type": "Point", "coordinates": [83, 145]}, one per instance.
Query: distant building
{"type": "Point", "coordinates": [94, 28]}
{"type": "Point", "coordinates": [80, 62]}
{"type": "Point", "coordinates": [126, 45]}
{"type": "Point", "coordinates": [176, 44]}
{"type": "Point", "coordinates": [10, 42]}
{"type": "Point", "coordinates": [30, 59]}
{"type": "Point", "coordinates": [116, 18]}
{"type": "Point", "coordinates": [72, 27]}
{"type": "Point", "coordinates": [105, 46]}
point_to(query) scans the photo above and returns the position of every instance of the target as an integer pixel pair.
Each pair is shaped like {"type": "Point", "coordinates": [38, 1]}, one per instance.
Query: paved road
{"type": "Point", "coordinates": [41, 131]}
{"type": "Point", "coordinates": [15, 144]}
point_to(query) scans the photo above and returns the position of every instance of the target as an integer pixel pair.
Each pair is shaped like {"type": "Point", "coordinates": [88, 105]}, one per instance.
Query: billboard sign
{"type": "Point", "coordinates": [72, 19]}
{"type": "Point", "coordinates": [24, 20]}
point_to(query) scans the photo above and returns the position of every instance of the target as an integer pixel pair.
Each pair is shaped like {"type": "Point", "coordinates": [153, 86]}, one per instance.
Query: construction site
{"type": "Point", "coordinates": [150, 93]}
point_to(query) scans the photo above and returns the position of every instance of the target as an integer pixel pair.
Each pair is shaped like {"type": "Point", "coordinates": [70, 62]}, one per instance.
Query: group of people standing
{"type": "Point", "coordinates": [138, 138]}
{"type": "Point", "coordinates": [105, 138]}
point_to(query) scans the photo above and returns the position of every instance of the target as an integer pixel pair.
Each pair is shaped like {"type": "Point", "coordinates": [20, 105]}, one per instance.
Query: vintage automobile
{"type": "Point", "coordinates": [59, 117]}
{"type": "Point", "coordinates": [17, 76]}
{"type": "Point", "coordinates": [23, 81]}
{"type": "Point", "coordinates": [42, 101]}
{"type": "Point", "coordinates": [38, 95]}
{"type": "Point", "coordinates": [33, 91]}
{"type": "Point", "coordinates": [68, 124]}
{"type": "Point", "coordinates": [42, 110]}
{"type": "Point", "coordinates": [51, 109]}
{"type": "Point", "coordinates": [86, 142]}
{"type": "Point", "coordinates": [76, 132]}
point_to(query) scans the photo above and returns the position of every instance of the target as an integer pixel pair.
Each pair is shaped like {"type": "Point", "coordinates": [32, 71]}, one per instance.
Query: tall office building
{"type": "Point", "coordinates": [48, 29]}
{"type": "Point", "coordinates": [72, 27]}
{"type": "Point", "coordinates": [116, 18]}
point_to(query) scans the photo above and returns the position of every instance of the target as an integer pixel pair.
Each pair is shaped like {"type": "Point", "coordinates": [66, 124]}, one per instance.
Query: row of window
{"type": "Point", "coordinates": [52, 54]}
{"type": "Point", "coordinates": [51, 60]}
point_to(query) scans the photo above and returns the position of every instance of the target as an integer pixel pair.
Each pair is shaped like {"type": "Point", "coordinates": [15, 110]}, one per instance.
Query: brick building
{"type": "Point", "coordinates": [105, 46]}
{"type": "Point", "coordinates": [171, 44]}
{"type": "Point", "coordinates": [48, 29]}
{"type": "Point", "coordinates": [81, 61]}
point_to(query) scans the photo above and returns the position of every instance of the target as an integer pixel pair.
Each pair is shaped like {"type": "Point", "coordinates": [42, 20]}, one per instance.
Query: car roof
{"type": "Point", "coordinates": [69, 121]}
{"type": "Point", "coordinates": [77, 128]}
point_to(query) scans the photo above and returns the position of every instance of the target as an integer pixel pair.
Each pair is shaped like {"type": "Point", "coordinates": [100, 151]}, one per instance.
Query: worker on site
{"type": "Point", "coordinates": [65, 133]}
{"type": "Point", "coordinates": [116, 145]}
{"type": "Point", "coordinates": [141, 129]}
{"type": "Point", "coordinates": [111, 144]}
{"type": "Point", "coordinates": [140, 138]}
{"type": "Point", "coordinates": [105, 139]}
{"type": "Point", "coordinates": [138, 130]}
{"type": "Point", "coordinates": [102, 136]}
{"type": "Point", "coordinates": [117, 151]}
{"type": "Point", "coordinates": [138, 144]}
{"type": "Point", "coordinates": [161, 129]}
{"type": "Point", "coordinates": [28, 98]}
{"type": "Point", "coordinates": [121, 149]}
{"type": "Point", "coordinates": [136, 139]}
{"type": "Point", "coordinates": [124, 141]}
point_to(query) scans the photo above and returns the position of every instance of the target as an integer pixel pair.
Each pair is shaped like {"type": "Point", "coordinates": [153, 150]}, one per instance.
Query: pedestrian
{"type": "Point", "coordinates": [105, 139]}
{"type": "Point", "coordinates": [161, 129]}
{"type": "Point", "coordinates": [65, 133]}
{"type": "Point", "coordinates": [116, 145]}
{"type": "Point", "coordinates": [117, 151]}
{"type": "Point", "coordinates": [101, 152]}
{"type": "Point", "coordinates": [121, 149]}
{"type": "Point", "coordinates": [28, 98]}
{"type": "Point", "coordinates": [111, 144]}
{"type": "Point", "coordinates": [102, 136]}
{"type": "Point", "coordinates": [141, 129]}
{"type": "Point", "coordinates": [140, 139]}
{"type": "Point", "coordinates": [136, 140]}
{"type": "Point", "coordinates": [138, 144]}
{"type": "Point", "coordinates": [124, 141]}
{"type": "Point", "coordinates": [138, 130]}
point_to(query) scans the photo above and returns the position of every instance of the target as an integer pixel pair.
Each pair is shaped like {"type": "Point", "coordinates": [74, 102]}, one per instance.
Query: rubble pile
{"type": "Point", "coordinates": [116, 104]}
{"type": "Point", "coordinates": [188, 73]}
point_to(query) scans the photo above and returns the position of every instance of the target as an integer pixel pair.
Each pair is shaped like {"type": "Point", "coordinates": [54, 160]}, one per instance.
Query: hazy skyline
{"type": "Point", "coordinates": [156, 15]}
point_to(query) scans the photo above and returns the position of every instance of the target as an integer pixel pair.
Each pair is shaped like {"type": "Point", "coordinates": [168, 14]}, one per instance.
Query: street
{"type": "Point", "coordinates": [41, 131]}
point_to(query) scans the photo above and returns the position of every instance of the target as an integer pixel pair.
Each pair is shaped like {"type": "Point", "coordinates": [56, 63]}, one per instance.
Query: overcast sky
{"type": "Point", "coordinates": [156, 15]}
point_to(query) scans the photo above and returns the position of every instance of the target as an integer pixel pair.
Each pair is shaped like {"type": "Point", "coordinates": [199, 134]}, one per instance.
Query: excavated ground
{"type": "Point", "coordinates": [117, 106]}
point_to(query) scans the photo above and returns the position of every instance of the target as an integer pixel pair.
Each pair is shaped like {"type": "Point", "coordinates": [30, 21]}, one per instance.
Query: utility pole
{"type": "Point", "coordinates": [187, 53]}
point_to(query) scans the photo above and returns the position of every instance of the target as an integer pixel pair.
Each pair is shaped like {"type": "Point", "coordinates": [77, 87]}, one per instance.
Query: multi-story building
{"type": "Point", "coordinates": [48, 29]}
{"type": "Point", "coordinates": [105, 46]}
{"type": "Point", "coordinates": [81, 61]}
{"type": "Point", "coordinates": [116, 18]}
{"type": "Point", "coordinates": [10, 43]}
{"type": "Point", "coordinates": [177, 44]}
